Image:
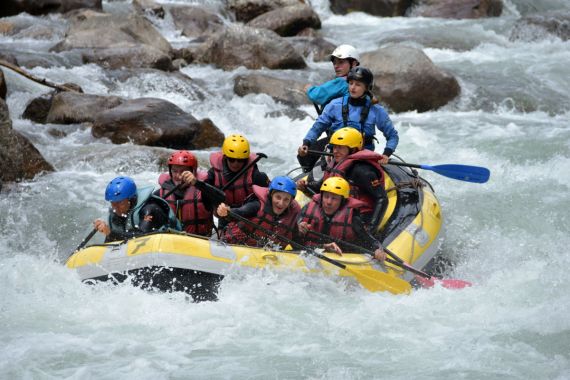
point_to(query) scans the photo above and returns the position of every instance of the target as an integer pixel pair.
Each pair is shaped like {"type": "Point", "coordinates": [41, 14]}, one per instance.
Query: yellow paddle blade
{"type": "Point", "coordinates": [376, 281]}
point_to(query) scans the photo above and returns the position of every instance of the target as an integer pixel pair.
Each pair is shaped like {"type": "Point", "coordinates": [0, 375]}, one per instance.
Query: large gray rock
{"type": "Point", "coordinates": [287, 91]}
{"type": "Point", "coordinates": [38, 109]}
{"type": "Point", "coordinates": [238, 45]}
{"type": "Point", "coordinates": [71, 108]}
{"type": "Point", "coordinates": [115, 40]}
{"type": "Point", "coordinates": [318, 47]}
{"type": "Point", "coordinates": [149, 6]}
{"type": "Point", "coordinates": [246, 10]}
{"type": "Point", "coordinates": [288, 21]}
{"type": "Point", "coordinates": [155, 122]}
{"type": "Point", "coordinates": [141, 56]}
{"type": "Point", "coordinates": [458, 9]}
{"type": "Point", "coordinates": [42, 7]}
{"type": "Point", "coordinates": [406, 79]}
{"type": "Point", "coordinates": [19, 159]}
{"type": "Point", "coordinates": [534, 27]}
{"type": "Point", "coordinates": [195, 21]}
{"type": "Point", "coordinates": [384, 8]}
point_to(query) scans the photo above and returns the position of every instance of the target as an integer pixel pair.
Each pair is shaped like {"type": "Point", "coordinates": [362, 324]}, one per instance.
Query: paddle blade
{"type": "Point", "coordinates": [475, 174]}
{"type": "Point", "coordinates": [376, 281]}
{"type": "Point", "coordinates": [446, 283]}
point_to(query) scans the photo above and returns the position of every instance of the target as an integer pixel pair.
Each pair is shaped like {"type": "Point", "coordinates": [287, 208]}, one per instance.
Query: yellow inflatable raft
{"type": "Point", "coordinates": [196, 265]}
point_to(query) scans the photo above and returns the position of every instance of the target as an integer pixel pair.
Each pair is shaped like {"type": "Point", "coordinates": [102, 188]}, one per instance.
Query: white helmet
{"type": "Point", "coordinates": [344, 52]}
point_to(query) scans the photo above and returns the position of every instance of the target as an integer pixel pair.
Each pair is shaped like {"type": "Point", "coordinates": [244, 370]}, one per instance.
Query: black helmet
{"type": "Point", "coordinates": [361, 74]}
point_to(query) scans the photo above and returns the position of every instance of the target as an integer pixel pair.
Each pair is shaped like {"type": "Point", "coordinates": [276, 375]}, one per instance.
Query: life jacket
{"type": "Point", "coordinates": [340, 224]}
{"type": "Point", "coordinates": [190, 210]}
{"type": "Point", "coordinates": [363, 116]}
{"type": "Point", "coordinates": [283, 224]}
{"type": "Point", "coordinates": [238, 191]}
{"type": "Point", "coordinates": [133, 217]}
{"type": "Point", "coordinates": [343, 167]}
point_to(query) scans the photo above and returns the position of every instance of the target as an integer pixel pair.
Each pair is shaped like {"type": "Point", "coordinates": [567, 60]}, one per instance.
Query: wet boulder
{"type": "Point", "coordinates": [316, 47]}
{"type": "Point", "coordinates": [288, 21]}
{"type": "Point", "coordinates": [19, 159]}
{"type": "Point", "coordinates": [116, 41]}
{"type": "Point", "coordinates": [71, 108]}
{"type": "Point", "coordinates": [384, 8]}
{"type": "Point", "coordinates": [538, 26]}
{"type": "Point", "coordinates": [239, 45]}
{"type": "Point", "coordinates": [195, 21]}
{"type": "Point", "coordinates": [155, 122]}
{"type": "Point", "coordinates": [285, 90]}
{"type": "Point", "coordinates": [246, 10]}
{"type": "Point", "coordinates": [457, 9]}
{"type": "Point", "coordinates": [43, 7]}
{"type": "Point", "coordinates": [38, 109]}
{"type": "Point", "coordinates": [149, 6]}
{"type": "Point", "coordinates": [406, 79]}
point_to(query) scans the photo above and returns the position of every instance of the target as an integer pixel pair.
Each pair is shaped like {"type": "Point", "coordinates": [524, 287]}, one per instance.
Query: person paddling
{"type": "Point", "coordinates": [190, 201]}
{"type": "Point", "coordinates": [274, 208]}
{"type": "Point", "coordinates": [361, 168]}
{"type": "Point", "coordinates": [228, 163]}
{"type": "Point", "coordinates": [333, 212]}
{"type": "Point", "coordinates": [355, 110]}
{"type": "Point", "coordinates": [134, 211]}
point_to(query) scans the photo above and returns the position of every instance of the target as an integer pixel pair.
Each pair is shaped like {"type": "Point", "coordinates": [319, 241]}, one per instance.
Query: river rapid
{"type": "Point", "coordinates": [509, 237]}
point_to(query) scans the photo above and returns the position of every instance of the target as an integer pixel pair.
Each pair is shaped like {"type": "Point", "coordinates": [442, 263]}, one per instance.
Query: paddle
{"type": "Point", "coordinates": [85, 241]}
{"type": "Point", "coordinates": [426, 281]}
{"type": "Point", "coordinates": [215, 189]}
{"type": "Point", "coordinates": [467, 173]}
{"type": "Point", "coordinates": [243, 170]}
{"type": "Point", "coordinates": [475, 174]}
{"type": "Point", "coordinates": [371, 279]}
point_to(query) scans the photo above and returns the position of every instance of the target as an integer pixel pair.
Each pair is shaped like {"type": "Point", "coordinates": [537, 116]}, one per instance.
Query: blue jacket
{"type": "Point", "coordinates": [323, 94]}
{"type": "Point", "coordinates": [331, 120]}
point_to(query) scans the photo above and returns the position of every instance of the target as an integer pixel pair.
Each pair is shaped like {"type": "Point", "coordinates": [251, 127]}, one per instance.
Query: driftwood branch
{"type": "Point", "coordinates": [45, 82]}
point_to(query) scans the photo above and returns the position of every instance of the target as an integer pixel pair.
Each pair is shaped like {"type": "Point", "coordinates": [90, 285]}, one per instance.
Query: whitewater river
{"type": "Point", "coordinates": [509, 237]}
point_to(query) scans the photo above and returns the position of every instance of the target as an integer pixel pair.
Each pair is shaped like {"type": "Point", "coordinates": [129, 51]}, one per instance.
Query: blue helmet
{"type": "Point", "coordinates": [120, 188]}
{"type": "Point", "coordinates": [284, 184]}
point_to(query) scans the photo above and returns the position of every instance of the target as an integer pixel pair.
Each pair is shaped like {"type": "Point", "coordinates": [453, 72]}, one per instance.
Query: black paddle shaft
{"type": "Point", "coordinates": [397, 260]}
{"type": "Point", "coordinates": [243, 170]}
{"type": "Point", "coordinates": [287, 240]}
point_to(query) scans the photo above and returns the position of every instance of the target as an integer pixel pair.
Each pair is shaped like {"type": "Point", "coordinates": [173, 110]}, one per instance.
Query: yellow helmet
{"type": "Point", "coordinates": [349, 137]}
{"type": "Point", "coordinates": [336, 185]}
{"type": "Point", "coordinates": [236, 146]}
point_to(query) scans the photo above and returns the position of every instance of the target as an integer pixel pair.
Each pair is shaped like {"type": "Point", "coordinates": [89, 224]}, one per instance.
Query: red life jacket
{"type": "Point", "coordinates": [340, 225]}
{"type": "Point", "coordinates": [190, 210]}
{"type": "Point", "coordinates": [238, 191]}
{"type": "Point", "coordinates": [283, 224]}
{"type": "Point", "coordinates": [341, 168]}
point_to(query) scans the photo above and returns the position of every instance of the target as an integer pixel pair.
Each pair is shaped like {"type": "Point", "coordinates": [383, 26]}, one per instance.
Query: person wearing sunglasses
{"type": "Point", "coordinates": [228, 163]}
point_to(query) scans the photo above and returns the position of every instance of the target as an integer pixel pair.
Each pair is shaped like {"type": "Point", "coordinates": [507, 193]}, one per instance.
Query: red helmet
{"type": "Point", "coordinates": [183, 158]}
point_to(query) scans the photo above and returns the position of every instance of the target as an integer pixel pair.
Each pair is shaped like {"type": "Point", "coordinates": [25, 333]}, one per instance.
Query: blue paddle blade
{"type": "Point", "coordinates": [476, 174]}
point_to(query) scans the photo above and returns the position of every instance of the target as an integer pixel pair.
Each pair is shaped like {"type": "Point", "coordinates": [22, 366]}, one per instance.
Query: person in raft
{"type": "Point", "coordinates": [361, 169]}
{"type": "Point", "coordinates": [225, 165]}
{"type": "Point", "coordinates": [190, 201]}
{"type": "Point", "coordinates": [273, 208]}
{"type": "Point", "coordinates": [355, 110]}
{"type": "Point", "coordinates": [343, 58]}
{"type": "Point", "coordinates": [134, 211]}
{"type": "Point", "coordinates": [333, 212]}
